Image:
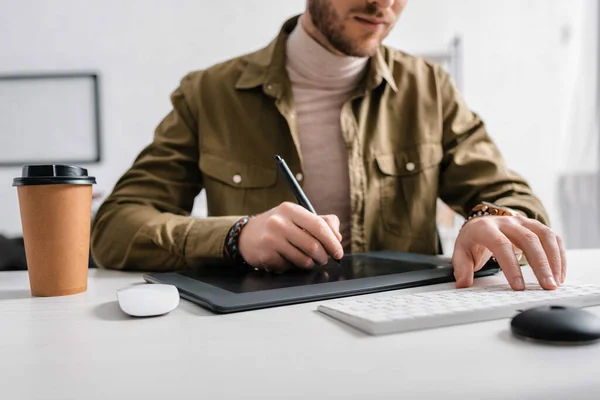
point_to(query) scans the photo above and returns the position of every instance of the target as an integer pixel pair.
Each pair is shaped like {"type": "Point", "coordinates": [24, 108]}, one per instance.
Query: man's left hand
{"type": "Point", "coordinates": [503, 237]}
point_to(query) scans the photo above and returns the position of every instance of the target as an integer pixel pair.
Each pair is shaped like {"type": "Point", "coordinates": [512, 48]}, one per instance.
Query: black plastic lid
{"type": "Point", "coordinates": [53, 175]}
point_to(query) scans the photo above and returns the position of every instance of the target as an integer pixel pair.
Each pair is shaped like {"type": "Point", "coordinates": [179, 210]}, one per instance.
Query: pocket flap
{"type": "Point", "coordinates": [410, 161]}
{"type": "Point", "coordinates": [237, 173]}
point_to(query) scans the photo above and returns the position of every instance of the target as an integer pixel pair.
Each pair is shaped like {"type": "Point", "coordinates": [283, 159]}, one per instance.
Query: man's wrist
{"type": "Point", "coordinates": [231, 249]}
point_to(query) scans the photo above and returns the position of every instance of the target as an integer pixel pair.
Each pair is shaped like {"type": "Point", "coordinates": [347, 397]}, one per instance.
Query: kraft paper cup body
{"type": "Point", "coordinates": [56, 219]}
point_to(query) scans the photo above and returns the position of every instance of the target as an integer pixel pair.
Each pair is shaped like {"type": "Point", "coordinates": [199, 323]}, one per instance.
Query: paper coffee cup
{"type": "Point", "coordinates": [55, 203]}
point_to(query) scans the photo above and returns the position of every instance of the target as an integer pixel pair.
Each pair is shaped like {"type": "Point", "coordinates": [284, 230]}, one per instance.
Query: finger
{"type": "Point", "coordinates": [464, 267]}
{"type": "Point", "coordinates": [334, 223]}
{"type": "Point", "coordinates": [319, 229]}
{"type": "Point", "coordinates": [482, 259]}
{"type": "Point", "coordinates": [563, 259]}
{"type": "Point", "coordinates": [529, 242]}
{"type": "Point", "coordinates": [501, 247]}
{"type": "Point", "coordinates": [292, 254]}
{"type": "Point", "coordinates": [549, 242]}
{"type": "Point", "coordinates": [307, 244]}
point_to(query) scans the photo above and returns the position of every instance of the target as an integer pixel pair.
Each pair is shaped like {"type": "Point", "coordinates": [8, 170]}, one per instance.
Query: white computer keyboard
{"type": "Point", "coordinates": [391, 313]}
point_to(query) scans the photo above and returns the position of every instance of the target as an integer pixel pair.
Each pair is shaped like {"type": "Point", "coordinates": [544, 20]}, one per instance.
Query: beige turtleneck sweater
{"type": "Point", "coordinates": [321, 83]}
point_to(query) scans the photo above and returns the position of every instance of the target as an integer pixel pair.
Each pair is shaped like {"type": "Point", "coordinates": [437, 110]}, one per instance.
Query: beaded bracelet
{"type": "Point", "coordinates": [485, 208]}
{"type": "Point", "coordinates": [231, 249]}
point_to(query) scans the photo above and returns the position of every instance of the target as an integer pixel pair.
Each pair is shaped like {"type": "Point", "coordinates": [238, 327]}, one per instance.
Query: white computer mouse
{"type": "Point", "coordinates": [148, 300]}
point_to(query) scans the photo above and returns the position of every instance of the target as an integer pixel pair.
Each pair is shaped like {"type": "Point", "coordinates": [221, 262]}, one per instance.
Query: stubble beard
{"type": "Point", "coordinates": [330, 24]}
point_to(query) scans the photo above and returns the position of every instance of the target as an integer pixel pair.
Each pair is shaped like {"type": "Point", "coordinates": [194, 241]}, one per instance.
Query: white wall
{"type": "Point", "coordinates": [515, 65]}
{"type": "Point", "coordinates": [141, 49]}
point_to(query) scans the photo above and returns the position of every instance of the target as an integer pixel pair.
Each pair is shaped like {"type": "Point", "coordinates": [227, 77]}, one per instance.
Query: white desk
{"type": "Point", "coordinates": [83, 347]}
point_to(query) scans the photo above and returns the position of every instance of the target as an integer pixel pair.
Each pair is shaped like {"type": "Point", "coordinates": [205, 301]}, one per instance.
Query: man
{"type": "Point", "coordinates": [373, 135]}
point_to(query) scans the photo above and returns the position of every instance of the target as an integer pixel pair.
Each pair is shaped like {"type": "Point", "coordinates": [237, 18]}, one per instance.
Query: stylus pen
{"type": "Point", "coordinates": [294, 186]}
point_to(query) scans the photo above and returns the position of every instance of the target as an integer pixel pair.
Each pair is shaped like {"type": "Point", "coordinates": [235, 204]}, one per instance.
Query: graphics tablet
{"type": "Point", "coordinates": [223, 287]}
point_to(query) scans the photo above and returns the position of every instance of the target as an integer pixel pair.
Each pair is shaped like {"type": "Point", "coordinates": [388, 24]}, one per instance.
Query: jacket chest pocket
{"type": "Point", "coordinates": [237, 187]}
{"type": "Point", "coordinates": [408, 185]}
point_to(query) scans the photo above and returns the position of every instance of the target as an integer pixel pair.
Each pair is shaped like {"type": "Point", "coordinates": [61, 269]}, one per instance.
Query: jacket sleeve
{"type": "Point", "coordinates": [472, 169]}
{"type": "Point", "coordinates": [145, 223]}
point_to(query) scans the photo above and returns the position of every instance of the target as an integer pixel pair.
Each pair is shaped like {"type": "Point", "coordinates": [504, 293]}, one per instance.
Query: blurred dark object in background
{"type": "Point", "coordinates": [12, 254]}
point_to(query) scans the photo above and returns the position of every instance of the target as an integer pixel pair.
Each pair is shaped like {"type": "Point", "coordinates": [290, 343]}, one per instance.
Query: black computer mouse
{"type": "Point", "coordinates": [557, 324]}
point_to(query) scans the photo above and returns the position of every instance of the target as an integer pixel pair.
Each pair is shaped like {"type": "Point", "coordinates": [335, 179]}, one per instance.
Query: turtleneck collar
{"type": "Point", "coordinates": [314, 64]}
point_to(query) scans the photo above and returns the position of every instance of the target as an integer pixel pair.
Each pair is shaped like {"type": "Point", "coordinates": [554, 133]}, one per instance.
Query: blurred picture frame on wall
{"type": "Point", "coordinates": [50, 118]}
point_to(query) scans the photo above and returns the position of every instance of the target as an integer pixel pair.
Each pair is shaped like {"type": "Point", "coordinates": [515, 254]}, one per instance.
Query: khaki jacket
{"type": "Point", "coordinates": [411, 139]}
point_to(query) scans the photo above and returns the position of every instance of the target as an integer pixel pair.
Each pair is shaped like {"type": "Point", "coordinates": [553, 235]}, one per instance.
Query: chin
{"type": "Point", "coordinates": [368, 47]}
{"type": "Point", "coordinates": [365, 51]}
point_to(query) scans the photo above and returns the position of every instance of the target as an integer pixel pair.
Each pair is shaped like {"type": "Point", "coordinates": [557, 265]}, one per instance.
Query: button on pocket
{"type": "Point", "coordinates": [408, 184]}
{"type": "Point", "coordinates": [237, 187]}
{"type": "Point", "coordinates": [237, 173]}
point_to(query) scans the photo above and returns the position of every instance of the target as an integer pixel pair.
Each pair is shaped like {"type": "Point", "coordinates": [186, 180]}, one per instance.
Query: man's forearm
{"type": "Point", "coordinates": [139, 237]}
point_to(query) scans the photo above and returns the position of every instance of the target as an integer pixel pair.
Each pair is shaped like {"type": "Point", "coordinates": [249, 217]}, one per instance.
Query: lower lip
{"type": "Point", "coordinates": [369, 25]}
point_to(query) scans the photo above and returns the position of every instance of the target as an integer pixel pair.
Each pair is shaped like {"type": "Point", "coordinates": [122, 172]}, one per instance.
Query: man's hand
{"type": "Point", "coordinates": [502, 236]}
{"type": "Point", "coordinates": [289, 235]}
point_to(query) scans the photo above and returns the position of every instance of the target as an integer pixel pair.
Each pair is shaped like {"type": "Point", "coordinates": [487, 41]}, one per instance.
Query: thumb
{"type": "Point", "coordinates": [334, 223]}
{"type": "Point", "coordinates": [464, 266]}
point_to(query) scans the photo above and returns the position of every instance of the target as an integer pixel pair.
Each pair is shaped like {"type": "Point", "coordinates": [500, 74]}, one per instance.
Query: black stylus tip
{"type": "Point", "coordinates": [277, 158]}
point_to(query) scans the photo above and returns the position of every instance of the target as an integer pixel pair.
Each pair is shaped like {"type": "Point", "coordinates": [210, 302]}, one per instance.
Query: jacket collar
{"type": "Point", "coordinates": [266, 67]}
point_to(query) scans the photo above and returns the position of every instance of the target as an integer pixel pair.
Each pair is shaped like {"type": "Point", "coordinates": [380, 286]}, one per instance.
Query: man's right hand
{"type": "Point", "coordinates": [289, 235]}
